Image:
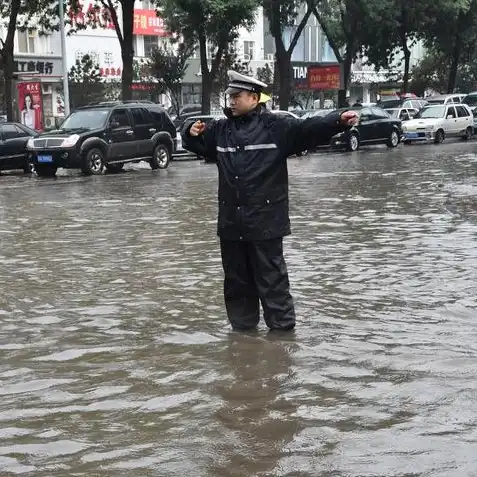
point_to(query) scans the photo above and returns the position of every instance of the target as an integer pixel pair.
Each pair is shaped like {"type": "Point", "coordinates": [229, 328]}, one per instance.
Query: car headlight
{"type": "Point", "coordinates": [404, 128]}
{"type": "Point", "coordinates": [70, 141]}
{"type": "Point", "coordinates": [430, 128]}
{"type": "Point", "coordinates": [31, 143]}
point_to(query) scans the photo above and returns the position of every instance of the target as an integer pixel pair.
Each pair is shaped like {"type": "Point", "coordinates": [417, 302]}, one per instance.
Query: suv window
{"type": "Point", "coordinates": [139, 116]}
{"type": "Point", "coordinates": [10, 131]}
{"type": "Point", "coordinates": [121, 116]}
{"type": "Point", "coordinates": [462, 112]}
{"type": "Point", "coordinates": [157, 115]}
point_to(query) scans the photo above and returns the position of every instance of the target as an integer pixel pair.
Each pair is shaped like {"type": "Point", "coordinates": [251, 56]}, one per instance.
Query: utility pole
{"type": "Point", "coordinates": [66, 90]}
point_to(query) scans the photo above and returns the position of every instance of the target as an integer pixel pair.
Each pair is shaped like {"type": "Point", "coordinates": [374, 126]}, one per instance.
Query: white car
{"type": "Point", "coordinates": [435, 123]}
{"type": "Point", "coordinates": [445, 99]}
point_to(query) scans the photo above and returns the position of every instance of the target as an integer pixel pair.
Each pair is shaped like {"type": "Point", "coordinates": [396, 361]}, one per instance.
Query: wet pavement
{"type": "Point", "coordinates": [117, 359]}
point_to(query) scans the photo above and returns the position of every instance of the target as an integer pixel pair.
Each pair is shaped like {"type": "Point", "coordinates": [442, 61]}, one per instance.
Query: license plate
{"type": "Point", "coordinates": [44, 159]}
{"type": "Point", "coordinates": [411, 135]}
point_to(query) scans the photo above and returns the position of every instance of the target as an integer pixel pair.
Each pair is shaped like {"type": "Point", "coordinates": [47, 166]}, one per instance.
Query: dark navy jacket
{"type": "Point", "coordinates": [251, 153]}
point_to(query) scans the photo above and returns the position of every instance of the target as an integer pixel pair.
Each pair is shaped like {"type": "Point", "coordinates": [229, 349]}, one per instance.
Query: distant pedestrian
{"type": "Point", "coordinates": [250, 148]}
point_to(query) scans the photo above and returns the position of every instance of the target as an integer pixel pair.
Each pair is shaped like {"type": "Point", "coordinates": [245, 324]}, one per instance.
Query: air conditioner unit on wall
{"type": "Point", "coordinates": [247, 57]}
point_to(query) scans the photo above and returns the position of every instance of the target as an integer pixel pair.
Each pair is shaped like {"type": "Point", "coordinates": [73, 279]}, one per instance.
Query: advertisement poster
{"type": "Point", "coordinates": [58, 104]}
{"type": "Point", "coordinates": [30, 105]}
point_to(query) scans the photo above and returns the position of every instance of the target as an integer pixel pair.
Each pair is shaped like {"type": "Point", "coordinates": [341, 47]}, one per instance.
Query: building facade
{"type": "Point", "coordinates": [101, 42]}
{"type": "Point", "coordinates": [38, 71]}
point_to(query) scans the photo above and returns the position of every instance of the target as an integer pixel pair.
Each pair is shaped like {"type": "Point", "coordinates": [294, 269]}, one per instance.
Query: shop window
{"type": "Point", "coordinates": [150, 44]}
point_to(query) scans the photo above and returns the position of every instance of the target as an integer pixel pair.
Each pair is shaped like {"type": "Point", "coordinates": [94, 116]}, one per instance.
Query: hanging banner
{"type": "Point", "coordinates": [30, 105]}
{"type": "Point", "coordinates": [324, 77]}
{"type": "Point", "coordinates": [146, 22]}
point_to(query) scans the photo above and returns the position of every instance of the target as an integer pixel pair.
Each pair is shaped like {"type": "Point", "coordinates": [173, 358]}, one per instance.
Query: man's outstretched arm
{"type": "Point", "coordinates": [318, 131]}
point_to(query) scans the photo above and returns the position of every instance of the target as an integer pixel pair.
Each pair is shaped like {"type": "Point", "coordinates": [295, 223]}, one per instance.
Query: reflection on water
{"type": "Point", "coordinates": [117, 359]}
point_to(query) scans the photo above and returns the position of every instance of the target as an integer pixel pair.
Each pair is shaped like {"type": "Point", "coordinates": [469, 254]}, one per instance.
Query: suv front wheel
{"type": "Point", "coordinates": [160, 157]}
{"type": "Point", "coordinates": [93, 162]}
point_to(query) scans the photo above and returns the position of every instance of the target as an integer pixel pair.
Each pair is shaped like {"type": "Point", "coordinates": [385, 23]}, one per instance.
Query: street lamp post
{"type": "Point", "coordinates": [66, 90]}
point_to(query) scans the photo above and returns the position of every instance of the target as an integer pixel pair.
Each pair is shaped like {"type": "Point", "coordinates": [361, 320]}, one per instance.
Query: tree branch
{"type": "Point", "coordinates": [108, 4]}
{"type": "Point", "coordinates": [328, 35]}
{"type": "Point", "coordinates": [299, 30]}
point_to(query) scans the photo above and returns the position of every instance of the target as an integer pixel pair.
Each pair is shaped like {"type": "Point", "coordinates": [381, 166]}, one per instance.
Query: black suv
{"type": "Point", "coordinates": [106, 136]}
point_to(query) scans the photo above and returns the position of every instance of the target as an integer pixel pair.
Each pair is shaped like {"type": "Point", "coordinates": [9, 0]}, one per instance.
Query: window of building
{"type": "Point", "coordinates": [108, 58]}
{"type": "Point", "coordinates": [150, 44]}
{"type": "Point", "coordinates": [148, 5]}
{"type": "Point", "coordinates": [26, 41]}
{"type": "Point", "coordinates": [249, 50]}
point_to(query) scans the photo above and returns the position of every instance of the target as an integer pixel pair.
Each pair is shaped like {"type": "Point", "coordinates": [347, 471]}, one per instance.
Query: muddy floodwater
{"type": "Point", "coordinates": [116, 358]}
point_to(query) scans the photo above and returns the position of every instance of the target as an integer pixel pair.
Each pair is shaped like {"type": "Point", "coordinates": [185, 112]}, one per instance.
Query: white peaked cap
{"type": "Point", "coordinates": [239, 82]}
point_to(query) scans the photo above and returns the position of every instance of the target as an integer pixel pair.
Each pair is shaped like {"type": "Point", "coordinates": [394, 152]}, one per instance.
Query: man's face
{"type": "Point", "coordinates": [243, 102]}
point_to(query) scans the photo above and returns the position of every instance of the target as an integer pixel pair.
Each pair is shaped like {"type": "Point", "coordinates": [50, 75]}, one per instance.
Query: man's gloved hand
{"type": "Point", "coordinates": [349, 118]}
{"type": "Point", "coordinates": [197, 128]}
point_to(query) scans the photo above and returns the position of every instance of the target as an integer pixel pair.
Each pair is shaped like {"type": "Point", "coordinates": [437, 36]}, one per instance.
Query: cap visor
{"type": "Point", "coordinates": [233, 90]}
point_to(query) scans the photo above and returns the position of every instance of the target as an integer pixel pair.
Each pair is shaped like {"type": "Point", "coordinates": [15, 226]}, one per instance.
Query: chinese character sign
{"type": "Point", "coordinates": [30, 105]}
{"type": "Point", "coordinates": [146, 22]}
{"type": "Point", "coordinates": [324, 77]}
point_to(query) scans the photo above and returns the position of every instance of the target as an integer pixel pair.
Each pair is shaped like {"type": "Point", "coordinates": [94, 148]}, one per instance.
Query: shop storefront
{"type": "Point", "coordinates": [39, 91]}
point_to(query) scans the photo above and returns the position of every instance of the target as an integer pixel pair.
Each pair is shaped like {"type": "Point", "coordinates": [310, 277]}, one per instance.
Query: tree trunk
{"type": "Point", "coordinates": [284, 71]}
{"type": "Point", "coordinates": [347, 64]}
{"type": "Point", "coordinates": [206, 76]}
{"type": "Point", "coordinates": [7, 58]}
{"type": "Point", "coordinates": [407, 66]}
{"type": "Point", "coordinates": [455, 63]}
{"type": "Point", "coordinates": [127, 49]}
{"type": "Point", "coordinates": [403, 37]}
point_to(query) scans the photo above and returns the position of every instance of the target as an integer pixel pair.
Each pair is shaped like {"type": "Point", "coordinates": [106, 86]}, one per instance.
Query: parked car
{"type": "Point", "coordinates": [435, 123]}
{"type": "Point", "coordinates": [375, 126]}
{"type": "Point", "coordinates": [445, 99]}
{"type": "Point", "coordinates": [471, 100]}
{"type": "Point", "coordinates": [316, 112]}
{"type": "Point", "coordinates": [13, 147]}
{"type": "Point", "coordinates": [106, 136]}
{"type": "Point", "coordinates": [186, 112]}
{"type": "Point", "coordinates": [404, 114]}
{"type": "Point", "coordinates": [284, 113]}
{"type": "Point", "coordinates": [414, 103]}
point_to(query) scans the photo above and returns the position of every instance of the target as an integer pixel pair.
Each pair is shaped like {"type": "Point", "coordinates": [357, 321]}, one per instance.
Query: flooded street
{"type": "Point", "coordinates": [117, 359]}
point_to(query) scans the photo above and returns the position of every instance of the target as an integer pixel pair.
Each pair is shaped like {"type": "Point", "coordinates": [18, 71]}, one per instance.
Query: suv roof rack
{"type": "Point", "coordinates": [116, 103]}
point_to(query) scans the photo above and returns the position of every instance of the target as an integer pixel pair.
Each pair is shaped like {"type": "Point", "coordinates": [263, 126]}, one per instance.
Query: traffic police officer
{"type": "Point", "coordinates": [250, 147]}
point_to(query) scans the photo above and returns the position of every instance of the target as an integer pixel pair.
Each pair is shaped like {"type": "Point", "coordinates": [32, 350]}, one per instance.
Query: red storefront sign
{"type": "Point", "coordinates": [324, 77]}
{"type": "Point", "coordinates": [110, 72]}
{"type": "Point", "coordinates": [90, 14]}
{"type": "Point", "coordinates": [146, 22]}
{"type": "Point", "coordinates": [30, 105]}
{"type": "Point", "coordinates": [93, 14]}
{"type": "Point", "coordinates": [143, 86]}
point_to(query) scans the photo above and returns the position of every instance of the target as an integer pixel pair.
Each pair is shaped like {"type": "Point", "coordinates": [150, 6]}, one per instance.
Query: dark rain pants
{"type": "Point", "coordinates": [256, 272]}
